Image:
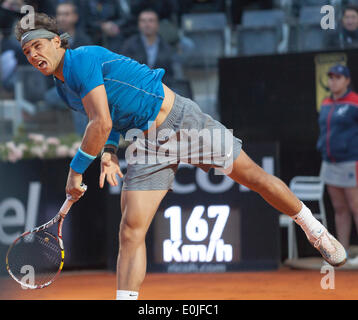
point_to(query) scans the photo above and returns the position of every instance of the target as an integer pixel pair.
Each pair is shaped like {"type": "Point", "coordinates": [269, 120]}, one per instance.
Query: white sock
{"type": "Point", "coordinates": [126, 295]}
{"type": "Point", "coordinates": [310, 225]}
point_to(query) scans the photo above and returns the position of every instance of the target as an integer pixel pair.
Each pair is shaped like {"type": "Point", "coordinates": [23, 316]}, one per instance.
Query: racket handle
{"type": "Point", "coordinates": [69, 202]}
{"type": "Point", "coordinates": [66, 206]}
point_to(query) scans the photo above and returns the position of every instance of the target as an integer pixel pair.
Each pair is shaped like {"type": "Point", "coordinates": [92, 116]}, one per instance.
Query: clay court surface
{"type": "Point", "coordinates": [282, 284]}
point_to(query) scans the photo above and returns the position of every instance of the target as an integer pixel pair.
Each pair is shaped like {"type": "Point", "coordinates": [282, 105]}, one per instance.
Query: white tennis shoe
{"type": "Point", "coordinates": [330, 248]}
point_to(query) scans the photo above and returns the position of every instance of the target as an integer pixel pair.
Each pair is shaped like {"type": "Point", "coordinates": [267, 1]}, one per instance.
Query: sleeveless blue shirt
{"type": "Point", "coordinates": [134, 91]}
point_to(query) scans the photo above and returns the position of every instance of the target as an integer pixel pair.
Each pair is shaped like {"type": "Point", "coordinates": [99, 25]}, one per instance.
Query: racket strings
{"type": "Point", "coordinates": [35, 258]}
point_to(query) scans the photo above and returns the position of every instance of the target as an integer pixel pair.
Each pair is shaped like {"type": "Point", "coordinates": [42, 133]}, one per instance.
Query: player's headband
{"type": "Point", "coordinates": [41, 34]}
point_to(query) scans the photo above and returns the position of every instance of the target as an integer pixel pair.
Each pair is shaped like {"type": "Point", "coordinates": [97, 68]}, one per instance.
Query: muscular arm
{"type": "Point", "coordinates": [100, 122]}
{"type": "Point", "coordinates": [97, 132]}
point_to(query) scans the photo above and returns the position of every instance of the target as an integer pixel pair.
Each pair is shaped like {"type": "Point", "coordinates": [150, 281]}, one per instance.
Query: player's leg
{"type": "Point", "coordinates": [274, 191]}
{"type": "Point", "coordinates": [342, 214]}
{"type": "Point", "coordinates": [138, 209]}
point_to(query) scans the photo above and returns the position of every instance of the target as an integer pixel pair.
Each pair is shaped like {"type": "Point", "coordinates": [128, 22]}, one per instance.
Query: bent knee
{"type": "Point", "coordinates": [131, 235]}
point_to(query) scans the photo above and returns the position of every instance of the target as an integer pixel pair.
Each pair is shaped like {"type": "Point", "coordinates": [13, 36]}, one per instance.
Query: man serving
{"type": "Point", "coordinates": [119, 95]}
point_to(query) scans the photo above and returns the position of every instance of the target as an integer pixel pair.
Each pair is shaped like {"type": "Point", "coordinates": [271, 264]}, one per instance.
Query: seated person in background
{"type": "Point", "coordinates": [80, 6]}
{"type": "Point", "coordinates": [167, 12]}
{"type": "Point", "coordinates": [105, 21]}
{"type": "Point", "coordinates": [346, 35]}
{"type": "Point", "coordinates": [67, 20]}
{"type": "Point", "coordinates": [149, 48]}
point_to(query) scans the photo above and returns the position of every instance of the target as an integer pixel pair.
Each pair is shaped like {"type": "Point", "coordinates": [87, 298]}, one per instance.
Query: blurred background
{"type": "Point", "coordinates": [257, 66]}
{"type": "Point", "coordinates": [192, 36]}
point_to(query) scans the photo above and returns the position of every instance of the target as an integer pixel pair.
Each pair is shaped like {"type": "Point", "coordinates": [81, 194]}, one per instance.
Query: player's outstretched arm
{"type": "Point", "coordinates": [96, 135]}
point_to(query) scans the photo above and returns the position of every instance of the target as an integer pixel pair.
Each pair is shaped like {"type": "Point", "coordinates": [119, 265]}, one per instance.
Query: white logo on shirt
{"type": "Point", "coordinates": [342, 110]}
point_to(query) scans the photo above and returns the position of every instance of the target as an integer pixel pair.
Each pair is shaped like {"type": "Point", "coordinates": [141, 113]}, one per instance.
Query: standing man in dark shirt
{"type": "Point", "coordinates": [67, 19]}
{"type": "Point", "coordinates": [148, 46]}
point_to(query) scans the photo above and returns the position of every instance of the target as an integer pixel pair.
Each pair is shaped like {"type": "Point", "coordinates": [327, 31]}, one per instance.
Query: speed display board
{"type": "Point", "coordinates": [205, 234]}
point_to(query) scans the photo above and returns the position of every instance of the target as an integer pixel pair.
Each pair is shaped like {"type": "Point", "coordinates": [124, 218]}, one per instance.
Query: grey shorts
{"type": "Point", "coordinates": [187, 135]}
{"type": "Point", "coordinates": [341, 174]}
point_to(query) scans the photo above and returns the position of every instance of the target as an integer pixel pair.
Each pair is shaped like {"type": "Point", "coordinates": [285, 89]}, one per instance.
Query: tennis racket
{"type": "Point", "coordinates": [36, 257]}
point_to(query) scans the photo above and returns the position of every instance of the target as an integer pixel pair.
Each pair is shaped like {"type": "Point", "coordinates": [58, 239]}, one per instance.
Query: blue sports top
{"type": "Point", "coordinates": [134, 91]}
{"type": "Point", "coordinates": [338, 121]}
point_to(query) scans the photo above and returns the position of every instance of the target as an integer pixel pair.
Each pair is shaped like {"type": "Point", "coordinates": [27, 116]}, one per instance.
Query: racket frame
{"type": "Point", "coordinates": [59, 218]}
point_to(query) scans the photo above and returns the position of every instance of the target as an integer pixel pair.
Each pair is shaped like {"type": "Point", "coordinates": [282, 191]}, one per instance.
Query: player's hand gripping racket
{"type": "Point", "coordinates": [40, 250]}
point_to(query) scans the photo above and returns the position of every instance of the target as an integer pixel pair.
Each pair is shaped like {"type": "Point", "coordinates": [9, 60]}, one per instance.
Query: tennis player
{"type": "Point", "coordinates": [120, 95]}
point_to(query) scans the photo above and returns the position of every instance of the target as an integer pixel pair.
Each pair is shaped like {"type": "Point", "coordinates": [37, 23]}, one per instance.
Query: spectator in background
{"type": "Point", "coordinates": [80, 8]}
{"type": "Point", "coordinates": [169, 20]}
{"type": "Point", "coordinates": [167, 11]}
{"type": "Point", "coordinates": [10, 51]}
{"type": "Point", "coordinates": [67, 20]}
{"type": "Point", "coordinates": [338, 144]}
{"type": "Point", "coordinates": [149, 48]}
{"type": "Point", "coordinates": [106, 22]}
{"type": "Point", "coordinates": [346, 35]}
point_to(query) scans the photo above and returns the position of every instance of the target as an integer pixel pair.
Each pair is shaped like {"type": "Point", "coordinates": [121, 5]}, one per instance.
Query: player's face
{"type": "Point", "coordinates": [338, 83]}
{"type": "Point", "coordinates": [43, 54]}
